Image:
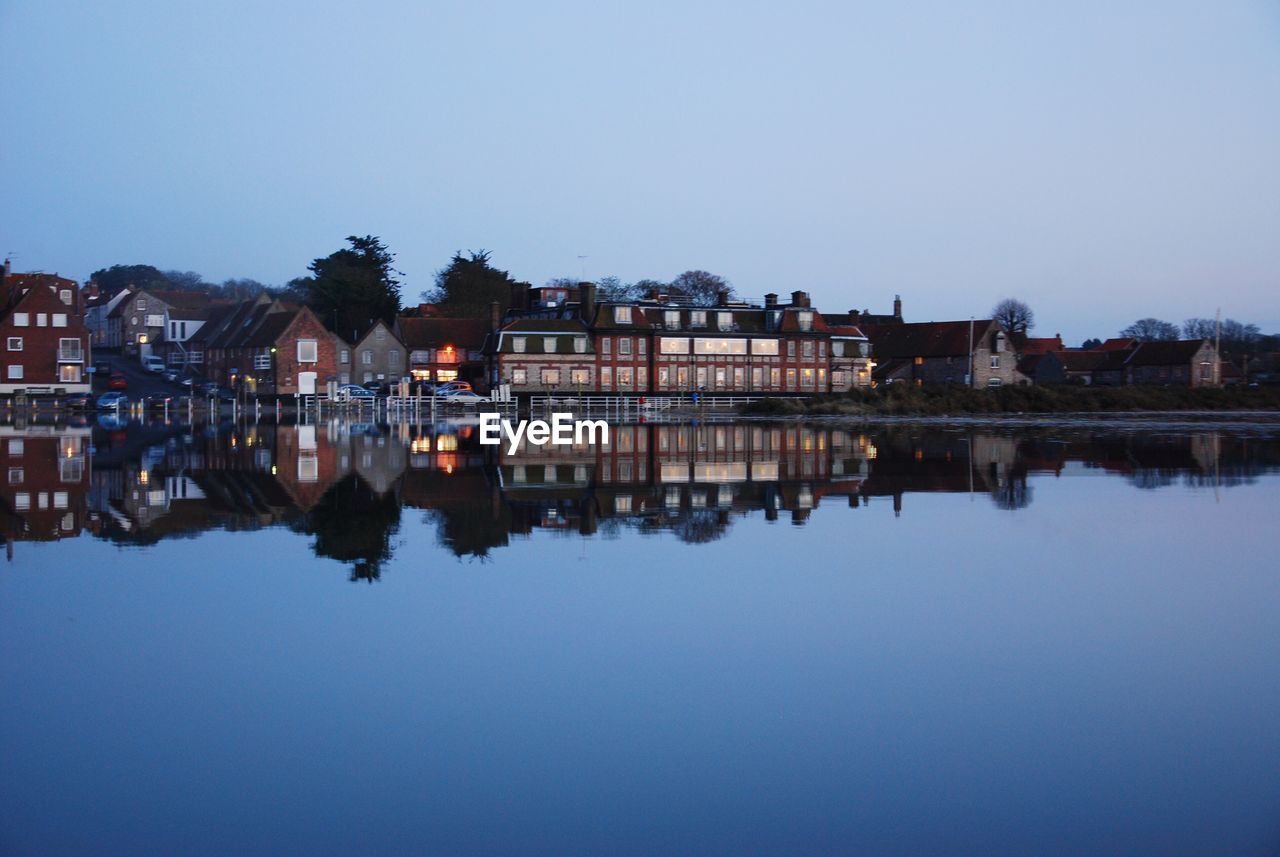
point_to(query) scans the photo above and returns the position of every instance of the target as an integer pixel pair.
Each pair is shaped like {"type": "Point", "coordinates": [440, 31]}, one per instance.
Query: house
{"type": "Point", "coordinates": [976, 352]}
{"type": "Point", "coordinates": [266, 347]}
{"type": "Point", "coordinates": [97, 308]}
{"type": "Point", "coordinates": [46, 344]}
{"type": "Point", "coordinates": [1182, 363]}
{"type": "Point", "coordinates": [139, 322]}
{"type": "Point", "coordinates": [376, 356]}
{"type": "Point", "coordinates": [545, 355]}
{"type": "Point", "coordinates": [182, 321]}
{"type": "Point", "coordinates": [447, 349]}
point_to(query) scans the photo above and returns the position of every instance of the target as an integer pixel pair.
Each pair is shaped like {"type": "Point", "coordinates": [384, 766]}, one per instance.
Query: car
{"type": "Point", "coordinates": [118, 382]}
{"type": "Point", "coordinates": [102, 367]}
{"type": "Point", "coordinates": [108, 401]}
{"type": "Point", "coordinates": [450, 387]}
{"type": "Point", "coordinates": [171, 375]}
{"type": "Point", "coordinates": [153, 364]}
{"type": "Point", "coordinates": [462, 397]}
{"type": "Point", "coordinates": [77, 401]}
{"type": "Point", "coordinates": [352, 392]}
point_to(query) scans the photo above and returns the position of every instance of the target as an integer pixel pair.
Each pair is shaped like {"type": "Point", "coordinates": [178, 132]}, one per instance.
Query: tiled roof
{"type": "Point", "coordinates": [1166, 353]}
{"type": "Point", "coordinates": [465, 333]}
{"type": "Point", "coordinates": [927, 339]}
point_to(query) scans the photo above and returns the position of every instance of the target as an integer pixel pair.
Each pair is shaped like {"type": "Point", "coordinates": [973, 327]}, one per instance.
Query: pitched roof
{"type": "Point", "coordinates": [927, 339]}
{"type": "Point", "coordinates": [433, 332]}
{"type": "Point", "coordinates": [1172, 353]}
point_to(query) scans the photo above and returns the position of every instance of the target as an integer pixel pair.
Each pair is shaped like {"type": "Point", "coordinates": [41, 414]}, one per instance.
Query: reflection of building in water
{"type": "Point", "coordinates": [918, 461]}
{"type": "Point", "coordinates": [46, 478]}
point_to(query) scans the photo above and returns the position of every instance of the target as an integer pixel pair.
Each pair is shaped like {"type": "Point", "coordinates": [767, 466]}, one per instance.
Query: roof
{"type": "Point", "coordinates": [535, 332]}
{"type": "Point", "coordinates": [1031, 345]}
{"type": "Point", "coordinates": [468, 333]}
{"type": "Point", "coordinates": [1166, 353]}
{"type": "Point", "coordinates": [1117, 344]}
{"type": "Point", "coordinates": [927, 339]}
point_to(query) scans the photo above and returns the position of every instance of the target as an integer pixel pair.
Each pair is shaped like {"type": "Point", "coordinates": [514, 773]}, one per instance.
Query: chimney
{"type": "Point", "coordinates": [897, 307]}
{"type": "Point", "coordinates": [588, 302]}
{"type": "Point", "coordinates": [799, 299]}
{"type": "Point", "coordinates": [770, 300]}
{"type": "Point", "coordinates": [8, 269]}
{"type": "Point", "coordinates": [495, 316]}
{"type": "Point", "coordinates": [855, 317]}
{"type": "Point", "coordinates": [722, 297]}
{"type": "Point", "coordinates": [519, 295]}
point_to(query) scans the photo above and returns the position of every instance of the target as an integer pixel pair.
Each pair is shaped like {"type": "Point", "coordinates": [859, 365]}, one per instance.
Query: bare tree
{"type": "Point", "coordinates": [701, 287]}
{"type": "Point", "coordinates": [1014, 316]}
{"type": "Point", "coordinates": [1151, 330]}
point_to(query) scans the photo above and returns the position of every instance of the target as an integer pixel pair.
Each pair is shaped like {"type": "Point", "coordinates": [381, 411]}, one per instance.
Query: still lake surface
{"type": "Point", "coordinates": [705, 639]}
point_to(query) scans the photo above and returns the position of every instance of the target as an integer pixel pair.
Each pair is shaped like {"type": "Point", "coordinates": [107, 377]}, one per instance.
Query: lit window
{"type": "Point", "coordinates": [580, 376]}
{"type": "Point", "coordinates": [622, 314]}
{"type": "Point", "coordinates": [550, 377]}
{"type": "Point", "coordinates": [520, 376]}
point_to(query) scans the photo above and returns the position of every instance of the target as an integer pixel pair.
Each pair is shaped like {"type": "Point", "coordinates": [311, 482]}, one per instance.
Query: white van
{"type": "Point", "coordinates": [153, 364]}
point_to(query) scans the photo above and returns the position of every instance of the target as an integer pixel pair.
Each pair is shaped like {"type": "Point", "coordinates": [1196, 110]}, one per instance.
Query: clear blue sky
{"type": "Point", "coordinates": [1102, 161]}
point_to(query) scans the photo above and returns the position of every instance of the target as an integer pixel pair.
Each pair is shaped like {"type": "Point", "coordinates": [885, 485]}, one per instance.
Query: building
{"type": "Point", "coordinates": [570, 341]}
{"type": "Point", "coordinates": [977, 353]}
{"type": "Point", "coordinates": [267, 347]}
{"type": "Point", "coordinates": [139, 323]}
{"type": "Point", "coordinates": [376, 356]}
{"type": "Point", "coordinates": [46, 344]}
{"type": "Point", "coordinates": [448, 349]}
{"type": "Point", "coordinates": [1182, 363]}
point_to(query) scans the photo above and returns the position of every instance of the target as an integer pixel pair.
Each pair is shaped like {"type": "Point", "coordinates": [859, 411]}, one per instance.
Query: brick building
{"type": "Point", "coordinates": [978, 353]}
{"type": "Point", "coordinates": [45, 342]}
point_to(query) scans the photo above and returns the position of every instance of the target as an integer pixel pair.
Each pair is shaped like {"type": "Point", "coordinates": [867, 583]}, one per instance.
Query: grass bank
{"type": "Point", "coordinates": [906, 400]}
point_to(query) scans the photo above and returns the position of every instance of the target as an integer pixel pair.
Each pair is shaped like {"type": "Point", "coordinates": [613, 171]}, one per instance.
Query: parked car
{"type": "Point", "coordinates": [78, 401]}
{"type": "Point", "coordinates": [118, 382]}
{"type": "Point", "coordinates": [352, 392]}
{"type": "Point", "coordinates": [108, 401]}
{"type": "Point", "coordinates": [450, 387]}
{"type": "Point", "coordinates": [462, 397]}
{"type": "Point", "coordinates": [153, 363]}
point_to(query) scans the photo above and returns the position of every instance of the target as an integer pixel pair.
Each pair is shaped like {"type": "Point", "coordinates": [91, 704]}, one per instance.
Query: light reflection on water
{"type": "Point", "coordinates": [720, 638]}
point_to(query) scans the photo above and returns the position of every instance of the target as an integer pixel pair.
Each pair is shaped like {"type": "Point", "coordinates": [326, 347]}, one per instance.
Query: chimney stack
{"type": "Point", "coordinates": [855, 317]}
{"type": "Point", "coordinates": [897, 307]}
{"type": "Point", "coordinates": [722, 297]}
{"type": "Point", "coordinates": [799, 299]}
{"type": "Point", "coordinates": [495, 316]}
{"type": "Point", "coordinates": [588, 302]}
{"type": "Point", "coordinates": [770, 300]}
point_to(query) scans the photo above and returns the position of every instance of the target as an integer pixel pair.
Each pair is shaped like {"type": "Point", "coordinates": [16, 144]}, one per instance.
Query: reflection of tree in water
{"type": "Point", "coordinates": [353, 524]}
{"type": "Point", "coordinates": [471, 527]}
{"type": "Point", "coordinates": [700, 526]}
{"type": "Point", "coordinates": [1153, 477]}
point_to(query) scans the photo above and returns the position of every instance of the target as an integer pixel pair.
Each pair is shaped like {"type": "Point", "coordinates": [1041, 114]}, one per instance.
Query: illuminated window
{"type": "Point", "coordinates": [622, 314]}
{"type": "Point", "coordinates": [518, 344]}
{"type": "Point", "coordinates": [765, 347]}
{"type": "Point", "coordinates": [671, 345]}
{"type": "Point", "coordinates": [550, 377]}
{"type": "Point", "coordinates": [520, 376]}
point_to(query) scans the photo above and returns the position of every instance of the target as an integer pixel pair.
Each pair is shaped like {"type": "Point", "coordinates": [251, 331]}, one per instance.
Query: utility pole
{"type": "Point", "coordinates": [1217, 348]}
{"type": "Point", "coordinates": [971, 379]}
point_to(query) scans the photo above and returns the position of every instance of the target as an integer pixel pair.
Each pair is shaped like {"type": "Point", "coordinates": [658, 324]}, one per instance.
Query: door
{"type": "Point", "coordinates": [307, 383]}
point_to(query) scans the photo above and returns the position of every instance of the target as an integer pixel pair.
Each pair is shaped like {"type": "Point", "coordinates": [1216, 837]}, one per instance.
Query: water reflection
{"type": "Point", "coordinates": [347, 485]}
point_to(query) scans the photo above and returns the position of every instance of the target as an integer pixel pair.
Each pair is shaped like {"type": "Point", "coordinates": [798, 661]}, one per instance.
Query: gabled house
{"type": "Point", "coordinates": [45, 342]}
{"type": "Point", "coordinates": [376, 356]}
{"type": "Point", "coordinates": [1182, 363]}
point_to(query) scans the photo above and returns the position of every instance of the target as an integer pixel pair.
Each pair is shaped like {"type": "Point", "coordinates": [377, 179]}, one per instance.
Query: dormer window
{"type": "Point", "coordinates": [517, 344]}
{"type": "Point", "coordinates": [805, 320]}
{"type": "Point", "coordinates": [671, 318]}
{"type": "Point", "coordinates": [622, 315]}
{"type": "Point", "coordinates": [724, 320]}
{"type": "Point", "coordinates": [698, 318]}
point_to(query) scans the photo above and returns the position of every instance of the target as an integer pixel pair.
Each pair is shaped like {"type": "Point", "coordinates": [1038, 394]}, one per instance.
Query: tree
{"type": "Point", "coordinates": [1151, 330]}
{"type": "Point", "coordinates": [1091, 344]}
{"type": "Point", "coordinates": [354, 287]}
{"type": "Point", "coordinates": [1235, 336]}
{"type": "Point", "coordinates": [702, 288]}
{"type": "Point", "coordinates": [187, 281]}
{"type": "Point", "coordinates": [113, 279]}
{"type": "Point", "coordinates": [613, 289]}
{"type": "Point", "coordinates": [469, 284]}
{"type": "Point", "coordinates": [1014, 316]}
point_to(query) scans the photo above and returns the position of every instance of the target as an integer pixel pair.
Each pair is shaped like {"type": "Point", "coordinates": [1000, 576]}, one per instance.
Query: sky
{"type": "Point", "coordinates": [1101, 161]}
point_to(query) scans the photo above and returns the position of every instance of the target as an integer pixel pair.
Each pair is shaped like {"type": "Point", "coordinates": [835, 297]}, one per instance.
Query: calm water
{"type": "Point", "coordinates": [717, 639]}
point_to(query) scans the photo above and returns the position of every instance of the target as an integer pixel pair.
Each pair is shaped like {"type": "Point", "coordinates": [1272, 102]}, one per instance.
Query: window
{"type": "Point", "coordinates": [152, 321]}
{"type": "Point", "coordinates": [368, 378]}
{"type": "Point", "coordinates": [21, 319]}
{"type": "Point", "coordinates": [16, 475]}
{"type": "Point", "coordinates": [624, 346]}
{"type": "Point", "coordinates": [520, 376]}
{"type": "Point", "coordinates": [664, 377]}
{"type": "Point", "coordinates": [709, 345]}
{"type": "Point", "coordinates": [724, 320]}
{"type": "Point", "coordinates": [580, 376]}
{"type": "Point", "coordinates": [59, 319]}
{"type": "Point", "coordinates": [606, 345]}
{"type": "Point", "coordinates": [919, 361]}
{"type": "Point", "coordinates": [767, 347]}
{"type": "Point", "coordinates": [69, 350]}
{"type": "Point", "coordinates": [791, 348]}
{"type": "Point", "coordinates": [805, 320]}
{"type": "Point", "coordinates": [69, 374]}
{"type": "Point", "coordinates": [517, 344]}
{"type": "Point", "coordinates": [806, 379]}
{"type": "Point", "coordinates": [837, 349]}
{"type": "Point", "coordinates": [606, 377]}
{"type": "Point", "coordinates": [775, 377]}
{"type": "Point", "coordinates": [550, 377]}
{"type": "Point", "coordinates": [622, 315]}
{"type": "Point", "coordinates": [698, 318]}
{"type": "Point", "coordinates": [671, 345]}
{"type": "Point", "coordinates": [993, 382]}
{"type": "Point", "coordinates": [141, 306]}
{"type": "Point", "coordinates": [15, 343]}
{"type": "Point", "coordinates": [16, 446]}
{"type": "Point", "coordinates": [42, 319]}
{"type": "Point", "coordinates": [393, 357]}
{"type": "Point", "coordinates": [22, 501]}
{"type": "Point", "coordinates": [822, 349]}
{"type": "Point", "coordinates": [806, 348]}
{"type": "Point", "coordinates": [15, 371]}
{"type": "Point", "coordinates": [791, 379]}
{"type": "Point", "coordinates": [344, 356]}
{"type": "Point", "coordinates": [995, 361]}
{"type": "Point", "coordinates": [671, 318]}
{"type": "Point", "coordinates": [262, 360]}
{"type": "Point", "coordinates": [548, 345]}
{"type": "Point", "coordinates": [580, 345]}
{"type": "Point", "coordinates": [307, 351]}
{"type": "Point", "coordinates": [366, 357]}
{"type": "Point", "coordinates": [642, 347]}
{"type": "Point", "coordinates": [65, 296]}
{"type": "Point", "coordinates": [381, 334]}
{"type": "Point", "coordinates": [625, 378]}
